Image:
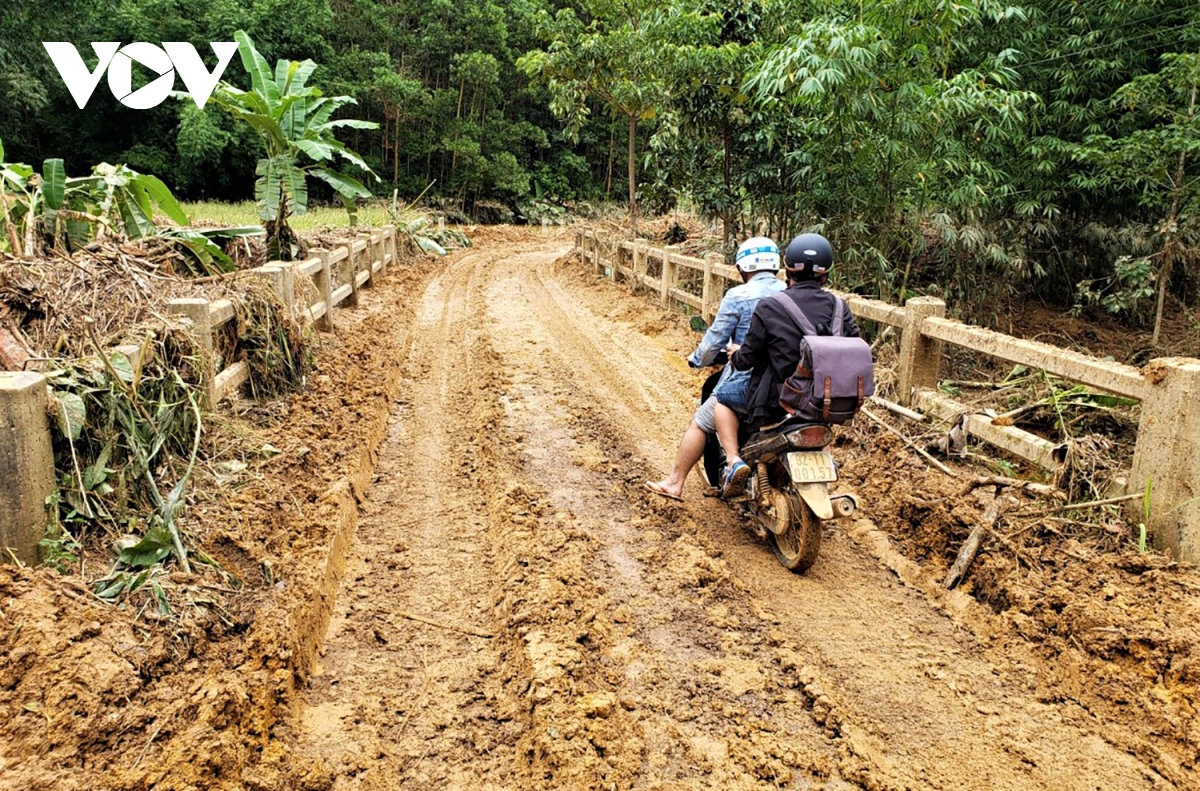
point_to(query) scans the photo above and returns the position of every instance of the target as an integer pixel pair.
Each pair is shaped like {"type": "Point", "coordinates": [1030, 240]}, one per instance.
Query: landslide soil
{"type": "Point", "coordinates": [519, 612]}
{"type": "Point", "coordinates": [94, 696]}
{"type": "Point", "coordinates": [516, 611]}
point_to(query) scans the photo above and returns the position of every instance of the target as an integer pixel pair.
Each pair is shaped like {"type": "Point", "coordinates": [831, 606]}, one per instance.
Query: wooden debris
{"type": "Point", "coordinates": [462, 629]}
{"type": "Point", "coordinates": [883, 336]}
{"type": "Point", "coordinates": [13, 351]}
{"type": "Point", "coordinates": [1089, 504]}
{"type": "Point", "coordinates": [1013, 483]}
{"type": "Point", "coordinates": [970, 548]}
{"type": "Point", "coordinates": [895, 408]}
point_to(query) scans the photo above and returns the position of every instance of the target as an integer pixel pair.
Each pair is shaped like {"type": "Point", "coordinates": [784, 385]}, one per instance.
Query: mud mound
{"type": "Point", "coordinates": [1115, 630]}
{"type": "Point", "coordinates": [98, 697]}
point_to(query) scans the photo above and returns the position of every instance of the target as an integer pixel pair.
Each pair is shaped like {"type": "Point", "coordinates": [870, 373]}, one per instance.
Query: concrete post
{"type": "Point", "coordinates": [920, 357]}
{"type": "Point", "coordinates": [596, 261]}
{"type": "Point", "coordinates": [282, 279]}
{"type": "Point", "coordinates": [349, 270]}
{"type": "Point", "coordinates": [325, 287]}
{"type": "Point", "coordinates": [712, 293]}
{"type": "Point", "coordinates": [377, 252]}
{"type": "Point", "coordinates": [670, 272]}
{"type": "Point", "coordinates": [196, 311]}
{"type": "Point", "coordinates": [389, 246]}
{"type": "Point", "coordinates": [1168, 455]}
{"type": "Point", "coordinates": [367, 256]}
{"type": "Point", "coordinates": [26, 465]}
{"type": "Point", "coordinates": [639, 260]}
{"type": "Point", "coordinates": [579, 239]}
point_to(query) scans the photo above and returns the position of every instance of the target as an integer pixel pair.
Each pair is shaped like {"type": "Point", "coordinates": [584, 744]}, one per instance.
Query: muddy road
{"type": "Point", "coordinates": [519, 613]}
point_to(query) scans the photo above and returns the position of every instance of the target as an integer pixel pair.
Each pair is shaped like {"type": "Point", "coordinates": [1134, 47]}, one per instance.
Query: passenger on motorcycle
{"type": "Point", "coordinates": [758, 261]}
{"type": "Point", "coordinates": [771, 349]}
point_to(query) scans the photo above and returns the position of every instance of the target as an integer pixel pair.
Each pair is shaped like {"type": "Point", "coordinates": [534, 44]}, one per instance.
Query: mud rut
{"type": "Point", "coordinates": [518, 613]}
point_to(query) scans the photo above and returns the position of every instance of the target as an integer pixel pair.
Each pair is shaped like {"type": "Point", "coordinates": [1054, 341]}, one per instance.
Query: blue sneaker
{"type": "Point", "coordinates": [736, 476]}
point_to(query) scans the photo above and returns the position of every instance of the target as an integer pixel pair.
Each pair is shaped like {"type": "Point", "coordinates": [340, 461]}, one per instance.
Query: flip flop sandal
{"type": "Point", "coordinates": [662, 493]}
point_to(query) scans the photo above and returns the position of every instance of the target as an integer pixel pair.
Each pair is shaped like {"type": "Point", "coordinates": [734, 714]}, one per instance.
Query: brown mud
{"type": "Point", "coordinates": [517, 612]}
{"type": "Point", "coordinates": [635, 643]}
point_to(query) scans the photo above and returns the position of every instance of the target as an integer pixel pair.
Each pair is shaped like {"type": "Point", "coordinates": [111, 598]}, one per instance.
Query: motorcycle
{"type": "Point", "coordinates": [787, 496]}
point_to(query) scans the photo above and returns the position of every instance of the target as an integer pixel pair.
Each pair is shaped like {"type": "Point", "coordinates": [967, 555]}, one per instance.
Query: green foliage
{"type": "Point", "coordinates": [977, 150]}
{"type": "Point", "coordinates": [126, 440]}
{"type": "Point", "coordinates": [53, 212]}
{"type": "Point", "coordinates": [59, 550]}
{"type": "Point", "coordinates": [295, 124]}
{"type": "Point", "coordinates": [614, 56]}
{"type": "Point", "coordinates": [1124, 292]}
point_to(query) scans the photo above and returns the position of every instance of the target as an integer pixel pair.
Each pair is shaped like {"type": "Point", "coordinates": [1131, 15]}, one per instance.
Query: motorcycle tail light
{"type": "Point", "coordinates": [811, 437]}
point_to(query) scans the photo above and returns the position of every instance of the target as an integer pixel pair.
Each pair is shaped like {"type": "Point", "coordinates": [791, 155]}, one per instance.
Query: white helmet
{"type": "Point", "coordinates": [758, 254]}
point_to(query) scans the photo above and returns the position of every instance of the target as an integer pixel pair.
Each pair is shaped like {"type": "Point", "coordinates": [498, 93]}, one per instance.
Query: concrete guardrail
{"type": "Point", "coordinates": [1167, 454]}
{"type": "Point", "coordinates": [26, 456]}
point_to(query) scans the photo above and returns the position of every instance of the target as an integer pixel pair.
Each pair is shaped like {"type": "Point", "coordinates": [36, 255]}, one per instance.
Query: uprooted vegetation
{"type": "Point", "coordinates": [177, 527]}
{"type": "Point", "coordinates": [125, 402]}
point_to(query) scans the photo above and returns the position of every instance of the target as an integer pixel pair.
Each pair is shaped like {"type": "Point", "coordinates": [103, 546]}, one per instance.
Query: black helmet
{"type": "Point", "coordinates": [810, 254]}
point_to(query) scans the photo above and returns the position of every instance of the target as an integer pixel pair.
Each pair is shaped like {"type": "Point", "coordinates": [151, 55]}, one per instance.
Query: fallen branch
{"type": "Point", "coordinates": [146, 749]}
{"type": "Point", "coordinates": [429, 622]}
{"type": "Point", "coordinates": [902, 411]}
{"type": "Point", "coordinates": [1094, 503]}
{"type": "Point", "coordinates": [1013, 483]}
{"type": "Point", "coordinates": [13, 351]}
{"type": "Point", "coordinates": [910, 443]}
{"type": "Point", "coordinates": [970, 548]}
{"type": "Point", "coordinates": [987, 385]}
{"type": "Point", "coordinates": [1089, 504]}
{"type": "Point", "coordinates": [883, 336]}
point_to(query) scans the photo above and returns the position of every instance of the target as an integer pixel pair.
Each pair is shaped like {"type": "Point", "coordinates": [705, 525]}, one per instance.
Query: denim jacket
{"type": "Point", "coordinates": [733, 317]}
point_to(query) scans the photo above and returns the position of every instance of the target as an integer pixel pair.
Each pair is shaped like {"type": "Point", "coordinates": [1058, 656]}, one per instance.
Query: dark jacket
{"type": "Point", "coordinates": [771, 348]}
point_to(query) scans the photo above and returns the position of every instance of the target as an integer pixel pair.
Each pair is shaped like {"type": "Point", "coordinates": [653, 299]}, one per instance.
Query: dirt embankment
{"type": "Point", "coordinates": [94, 697]}
{"type": "Point", "coordinates": [517, 612]}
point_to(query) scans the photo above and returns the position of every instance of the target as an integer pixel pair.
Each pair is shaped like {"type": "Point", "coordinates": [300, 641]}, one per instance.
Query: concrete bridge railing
{"type": "Point", "coordinates": [1167, 454]}
{"type": "Point", "coordinates": [26, 456]}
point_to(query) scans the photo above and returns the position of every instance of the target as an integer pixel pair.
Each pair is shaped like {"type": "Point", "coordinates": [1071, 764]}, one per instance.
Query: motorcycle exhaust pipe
{"type": "Point", "coordinates": [844, 504]}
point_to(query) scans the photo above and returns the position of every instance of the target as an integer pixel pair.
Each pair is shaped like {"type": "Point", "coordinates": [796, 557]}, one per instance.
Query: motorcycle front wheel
{"type": "Point", "coordinates": [797, 547]}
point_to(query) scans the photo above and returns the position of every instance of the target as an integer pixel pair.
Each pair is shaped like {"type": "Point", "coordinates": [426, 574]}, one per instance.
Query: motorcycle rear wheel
{"type": "Point", "coordinates": [797, 547]}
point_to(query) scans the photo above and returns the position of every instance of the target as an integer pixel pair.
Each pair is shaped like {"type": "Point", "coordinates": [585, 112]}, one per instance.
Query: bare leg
{"type": "Point", "coordinates": [727, 432]}
{"type": "Point", "coordinates": [691, 448]}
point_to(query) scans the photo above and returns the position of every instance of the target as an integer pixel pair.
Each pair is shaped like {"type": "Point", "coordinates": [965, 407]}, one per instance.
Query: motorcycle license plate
{"type": "Point", "coordinates": [815, 467]}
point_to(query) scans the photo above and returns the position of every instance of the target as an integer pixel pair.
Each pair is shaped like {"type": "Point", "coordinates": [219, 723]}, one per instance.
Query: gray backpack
{"type": "Point", "coordinates": [834, 375]}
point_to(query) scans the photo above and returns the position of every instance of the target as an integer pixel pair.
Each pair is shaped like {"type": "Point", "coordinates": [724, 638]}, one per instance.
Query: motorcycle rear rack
{"type": "Point", "coordinates": [765, 449]}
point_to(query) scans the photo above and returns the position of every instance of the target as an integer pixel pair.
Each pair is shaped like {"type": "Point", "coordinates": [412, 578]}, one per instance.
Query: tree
{"type": "Point", "coordinates": [614, 58]}
{"type": "Point", "coordinates": [295, 123]}
{"type": "Point", "coordinates": [1156, 160]}
{"type": "Point", "coordinates": [893, 129]}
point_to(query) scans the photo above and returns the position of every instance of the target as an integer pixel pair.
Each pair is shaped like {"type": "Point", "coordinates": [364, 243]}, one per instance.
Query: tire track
{"type": "Point", "coordinates": [636, 643]}
{"type": "Point", "coordinates": [913, 692]}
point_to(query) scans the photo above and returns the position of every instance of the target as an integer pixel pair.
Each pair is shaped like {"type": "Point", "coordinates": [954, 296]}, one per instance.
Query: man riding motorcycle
{"type": "Point", "coordinates": [771, 349]}
{"type": "Point", "coordinates": [757, 260]}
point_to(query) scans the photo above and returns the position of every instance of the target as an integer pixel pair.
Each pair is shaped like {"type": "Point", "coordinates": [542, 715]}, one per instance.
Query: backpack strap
{"type": "Point", "coordinates": [839, 315]}
{"type": "Point", "coordinates": [796, 315]}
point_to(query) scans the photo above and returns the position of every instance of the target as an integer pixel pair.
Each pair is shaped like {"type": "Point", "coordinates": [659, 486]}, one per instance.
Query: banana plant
{"type": "Point", "coordinates": [30, 201]}
{"type": "Point", "coordinates": [51, 211]}
{"type": "Point", "coordinates": [295, 123]}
